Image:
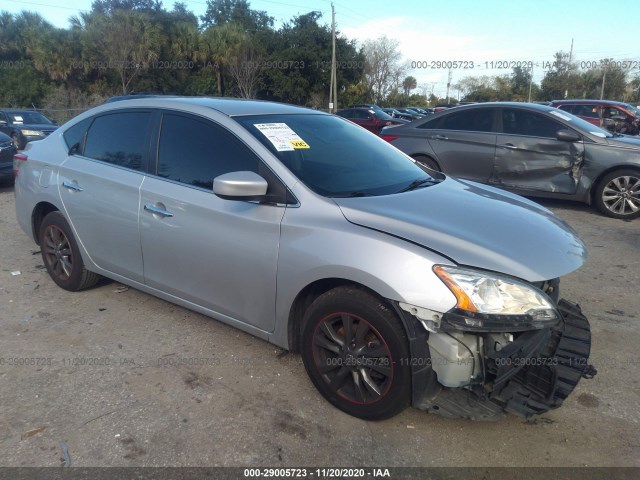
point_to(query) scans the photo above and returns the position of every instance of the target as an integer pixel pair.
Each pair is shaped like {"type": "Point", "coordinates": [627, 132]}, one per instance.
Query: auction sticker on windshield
{"type": "Point", "coordinates": [281, 136]}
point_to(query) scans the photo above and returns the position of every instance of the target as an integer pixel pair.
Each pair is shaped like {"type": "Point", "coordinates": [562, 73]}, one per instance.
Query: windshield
{"type": "Point", "coordinates": [26, 118]}
{"type": "Point", "coordinates": [332, 156]}
{"type": "Point", "coordinates": [580, 123]}
{"type": "Point", "coordinates": [632, 109]}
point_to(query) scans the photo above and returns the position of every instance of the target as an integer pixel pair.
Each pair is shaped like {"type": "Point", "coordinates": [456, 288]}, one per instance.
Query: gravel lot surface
{"type": "Point", "coordinates": [126, 379]}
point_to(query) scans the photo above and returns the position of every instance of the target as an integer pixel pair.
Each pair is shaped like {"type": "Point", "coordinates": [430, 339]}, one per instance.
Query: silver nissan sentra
{"type": "Point", "coordinates": [398, 285]}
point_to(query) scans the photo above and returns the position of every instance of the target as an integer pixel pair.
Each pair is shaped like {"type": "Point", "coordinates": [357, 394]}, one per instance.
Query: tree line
{"type": "Point", "coordinates": [124, 46]}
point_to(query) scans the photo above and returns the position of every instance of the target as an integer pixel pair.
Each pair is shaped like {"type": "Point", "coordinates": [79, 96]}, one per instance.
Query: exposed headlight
{"type": "Point", "coordinates": [31, 133]}
{"type": "Point", "coordinates": [490, 300]}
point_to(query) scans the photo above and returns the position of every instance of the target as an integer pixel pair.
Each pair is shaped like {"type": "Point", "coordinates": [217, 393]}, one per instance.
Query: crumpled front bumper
{"type": "Point", "coordinates": [535, 374]}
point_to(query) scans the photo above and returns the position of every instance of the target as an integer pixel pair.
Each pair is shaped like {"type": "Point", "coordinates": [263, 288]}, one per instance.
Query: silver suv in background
{"type": "Point", "coordinates": [398, 286]}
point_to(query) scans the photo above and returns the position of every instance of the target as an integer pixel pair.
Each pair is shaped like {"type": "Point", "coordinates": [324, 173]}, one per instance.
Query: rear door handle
{"type": "Point", "coordinates": [157, 210]}
{"type": "Point", "coordinates": [440, 137]}
{"type": "Point", "coordinates": [510, 146]}
{"type": "Point", "coordinates": [71, 186]}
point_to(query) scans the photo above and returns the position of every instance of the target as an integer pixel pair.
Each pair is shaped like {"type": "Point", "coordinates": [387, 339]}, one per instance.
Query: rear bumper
{"type": "Point", "coordinates": [534, 375]}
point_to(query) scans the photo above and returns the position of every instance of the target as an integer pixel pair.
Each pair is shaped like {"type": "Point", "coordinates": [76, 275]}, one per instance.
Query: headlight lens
{"type": "Point", "coordinates": [31, 133]}
{"type": "Point", "coordinates": [490, 294]}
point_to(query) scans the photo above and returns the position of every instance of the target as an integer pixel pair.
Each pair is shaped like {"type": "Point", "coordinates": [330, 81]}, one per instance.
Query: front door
{"type": "Point", "coordinates": [218, 254]}
{"type": "Point", "coordinates": [530, 157]}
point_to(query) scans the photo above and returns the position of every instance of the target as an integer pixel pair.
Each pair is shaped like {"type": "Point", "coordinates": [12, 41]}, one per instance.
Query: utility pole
{"type": "Point", "coordinates": [333, 88]}
{"type": "Point", "coordinates": [604, 75]}
{"type": "Point", "coordinates": [530, 82]}
{"type": "Point", "coordinates": [566, 92]}
{"type": "Point", "coordinates": [449, 84]}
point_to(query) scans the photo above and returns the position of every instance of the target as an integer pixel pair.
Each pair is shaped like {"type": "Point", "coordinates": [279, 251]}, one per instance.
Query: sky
{"type": "Point", "coordinates": [489, 33]}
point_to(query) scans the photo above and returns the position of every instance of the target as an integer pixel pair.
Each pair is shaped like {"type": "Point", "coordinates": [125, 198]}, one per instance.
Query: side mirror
{"type": "Point", "coordinates": [240, 186]}
{"type": "Point", "coordinates": [567, 136]}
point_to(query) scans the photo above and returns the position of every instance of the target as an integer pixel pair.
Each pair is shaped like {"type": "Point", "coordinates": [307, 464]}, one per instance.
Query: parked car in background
{"type": "Point", "coordinates": [407, 111]}
{"type": "Point", "coordinates": [372, 120]}
{"type": "Point", "coordinates": [444, 106]}
{"type": "Point", "coordinates": [530, 149]}
{"type": "Point", "coordinates": [617, 117]}
{"type": "Point", "coordinates": [421, 110]}
{"type": "Point", "coordinates": [7, 151]}
{"type": "Point", "coordinates": [397, 287]}
{"type": "Point", "coordinates": [24, 126]}
{"type": "Point", "coordinates": [398, 114]}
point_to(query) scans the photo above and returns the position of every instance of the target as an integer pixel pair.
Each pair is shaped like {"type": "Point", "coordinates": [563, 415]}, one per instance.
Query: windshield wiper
{"type": "Point", "coordinates": [420, 183]}
{"type": "Point", "coordinates": [352, 195]}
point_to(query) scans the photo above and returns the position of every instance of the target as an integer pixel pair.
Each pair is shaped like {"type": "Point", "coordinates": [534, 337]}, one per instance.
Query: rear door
{"type": "Point", "coordinates": [530, 157]}
{"type": "Point", "coordinates": [218, 254]}
{"type": "Point", "coordinates": [464, 142]}
{"type": "Point", "coordinates": [99, 186]}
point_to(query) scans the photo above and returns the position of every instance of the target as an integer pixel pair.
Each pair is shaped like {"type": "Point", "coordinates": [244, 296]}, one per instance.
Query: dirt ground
{"type": "Point", "coordinates": [125, 379]}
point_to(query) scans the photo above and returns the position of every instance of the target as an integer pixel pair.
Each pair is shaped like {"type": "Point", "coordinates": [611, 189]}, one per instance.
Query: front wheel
{"type": "Point", "coordinates": [618, 194]}
{"type": "Point", "coordinates": [61, 255]}
{"type": "Point", "coordinates": [356, 353]}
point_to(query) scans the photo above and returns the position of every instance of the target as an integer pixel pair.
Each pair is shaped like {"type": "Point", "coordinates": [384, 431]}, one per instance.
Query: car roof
{"type": "Point", "coordinates": [473, 106]}
{"type": "Point", "coordinates": [586, 100]}
{"type": "Point", "coordinates": [18, 110]}
{"type": "Point", "coordinates": [227, 106]}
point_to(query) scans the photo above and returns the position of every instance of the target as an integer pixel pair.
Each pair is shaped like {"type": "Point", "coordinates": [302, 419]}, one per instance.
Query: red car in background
{"type": "Point", "coordinates": [371, 119]}
{"type": "Point", "coordinates": [617, 117]}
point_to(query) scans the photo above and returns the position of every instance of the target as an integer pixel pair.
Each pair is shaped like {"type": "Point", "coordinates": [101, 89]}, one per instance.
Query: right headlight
{"type": "Point", "coordinates": [490, 302]}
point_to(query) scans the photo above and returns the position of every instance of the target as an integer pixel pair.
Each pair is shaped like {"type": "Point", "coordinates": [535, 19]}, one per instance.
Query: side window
{"type": "Point", "coordinates": [480, 120]}
{"type": "Point", "coordinates": [347, 114]}
{"type": "Point", "coordinates": [75, 134]}
{"type": "Point", "coordinates": [588, 111]}
{"type": "Point", "coordinates": [610, 112]}
{"type": "Point", "coordinates": [569, 108]}
{"type": "Point", "coordinates": [522, 122]}
{"type": "Point", "coordinates": [194, 151]}
{"type": "Point", "coordinates": [119, 138]}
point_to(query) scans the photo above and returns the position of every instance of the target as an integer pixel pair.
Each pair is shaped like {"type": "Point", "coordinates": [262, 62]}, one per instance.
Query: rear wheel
{"type": "Point", "coordinates": [355, 351]}
{"type": "Point", "coordinates": [618, 194]}
{"type": "Point", "coordinates": [61, 255]}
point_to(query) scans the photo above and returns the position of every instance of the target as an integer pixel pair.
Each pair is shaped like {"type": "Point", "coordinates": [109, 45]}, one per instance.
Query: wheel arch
{"type": "Point", "coordinates": [41, 210]}
{"type": "Point", "coordinates": [306, 297]}
{"type": "Point", "coordinates": [417, 156]}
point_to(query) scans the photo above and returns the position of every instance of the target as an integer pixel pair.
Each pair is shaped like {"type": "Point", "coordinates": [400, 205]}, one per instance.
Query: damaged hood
{"type": "Point", "coordinates": [475, 225]}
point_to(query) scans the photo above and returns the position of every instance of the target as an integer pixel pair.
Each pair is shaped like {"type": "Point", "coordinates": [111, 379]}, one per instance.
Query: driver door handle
{"type": "Point", "coordinates": [157, 210]}
{"type": "Point", "coordinates": [440, 137]}
{"type": "Point", "coordinates": [510, 146]}
{"type": "Point", "coordinates": [72, 186]}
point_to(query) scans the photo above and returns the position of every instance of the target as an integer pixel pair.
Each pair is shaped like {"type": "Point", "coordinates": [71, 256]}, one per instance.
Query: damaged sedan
{"type": "Point", "coordinates": [529, 149]}
{"type": "Point", "coordinates": [398, 287]}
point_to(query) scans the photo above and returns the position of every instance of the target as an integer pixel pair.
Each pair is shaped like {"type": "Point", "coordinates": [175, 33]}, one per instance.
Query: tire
{"type": "Point", "coordinates": [617, 194]}
{"type": "Point", "coordinates": [16, 142]}
{"type": "Point", "coordinates": [61, 255]}
{"type": "Point", "coordinates": [367, 373]}
{"type": "Point", "coordinates": [427, 162]}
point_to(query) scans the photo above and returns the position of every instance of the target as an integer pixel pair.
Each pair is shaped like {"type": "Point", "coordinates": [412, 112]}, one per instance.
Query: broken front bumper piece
{"type": "Point", "coordinates": [530, 376]}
